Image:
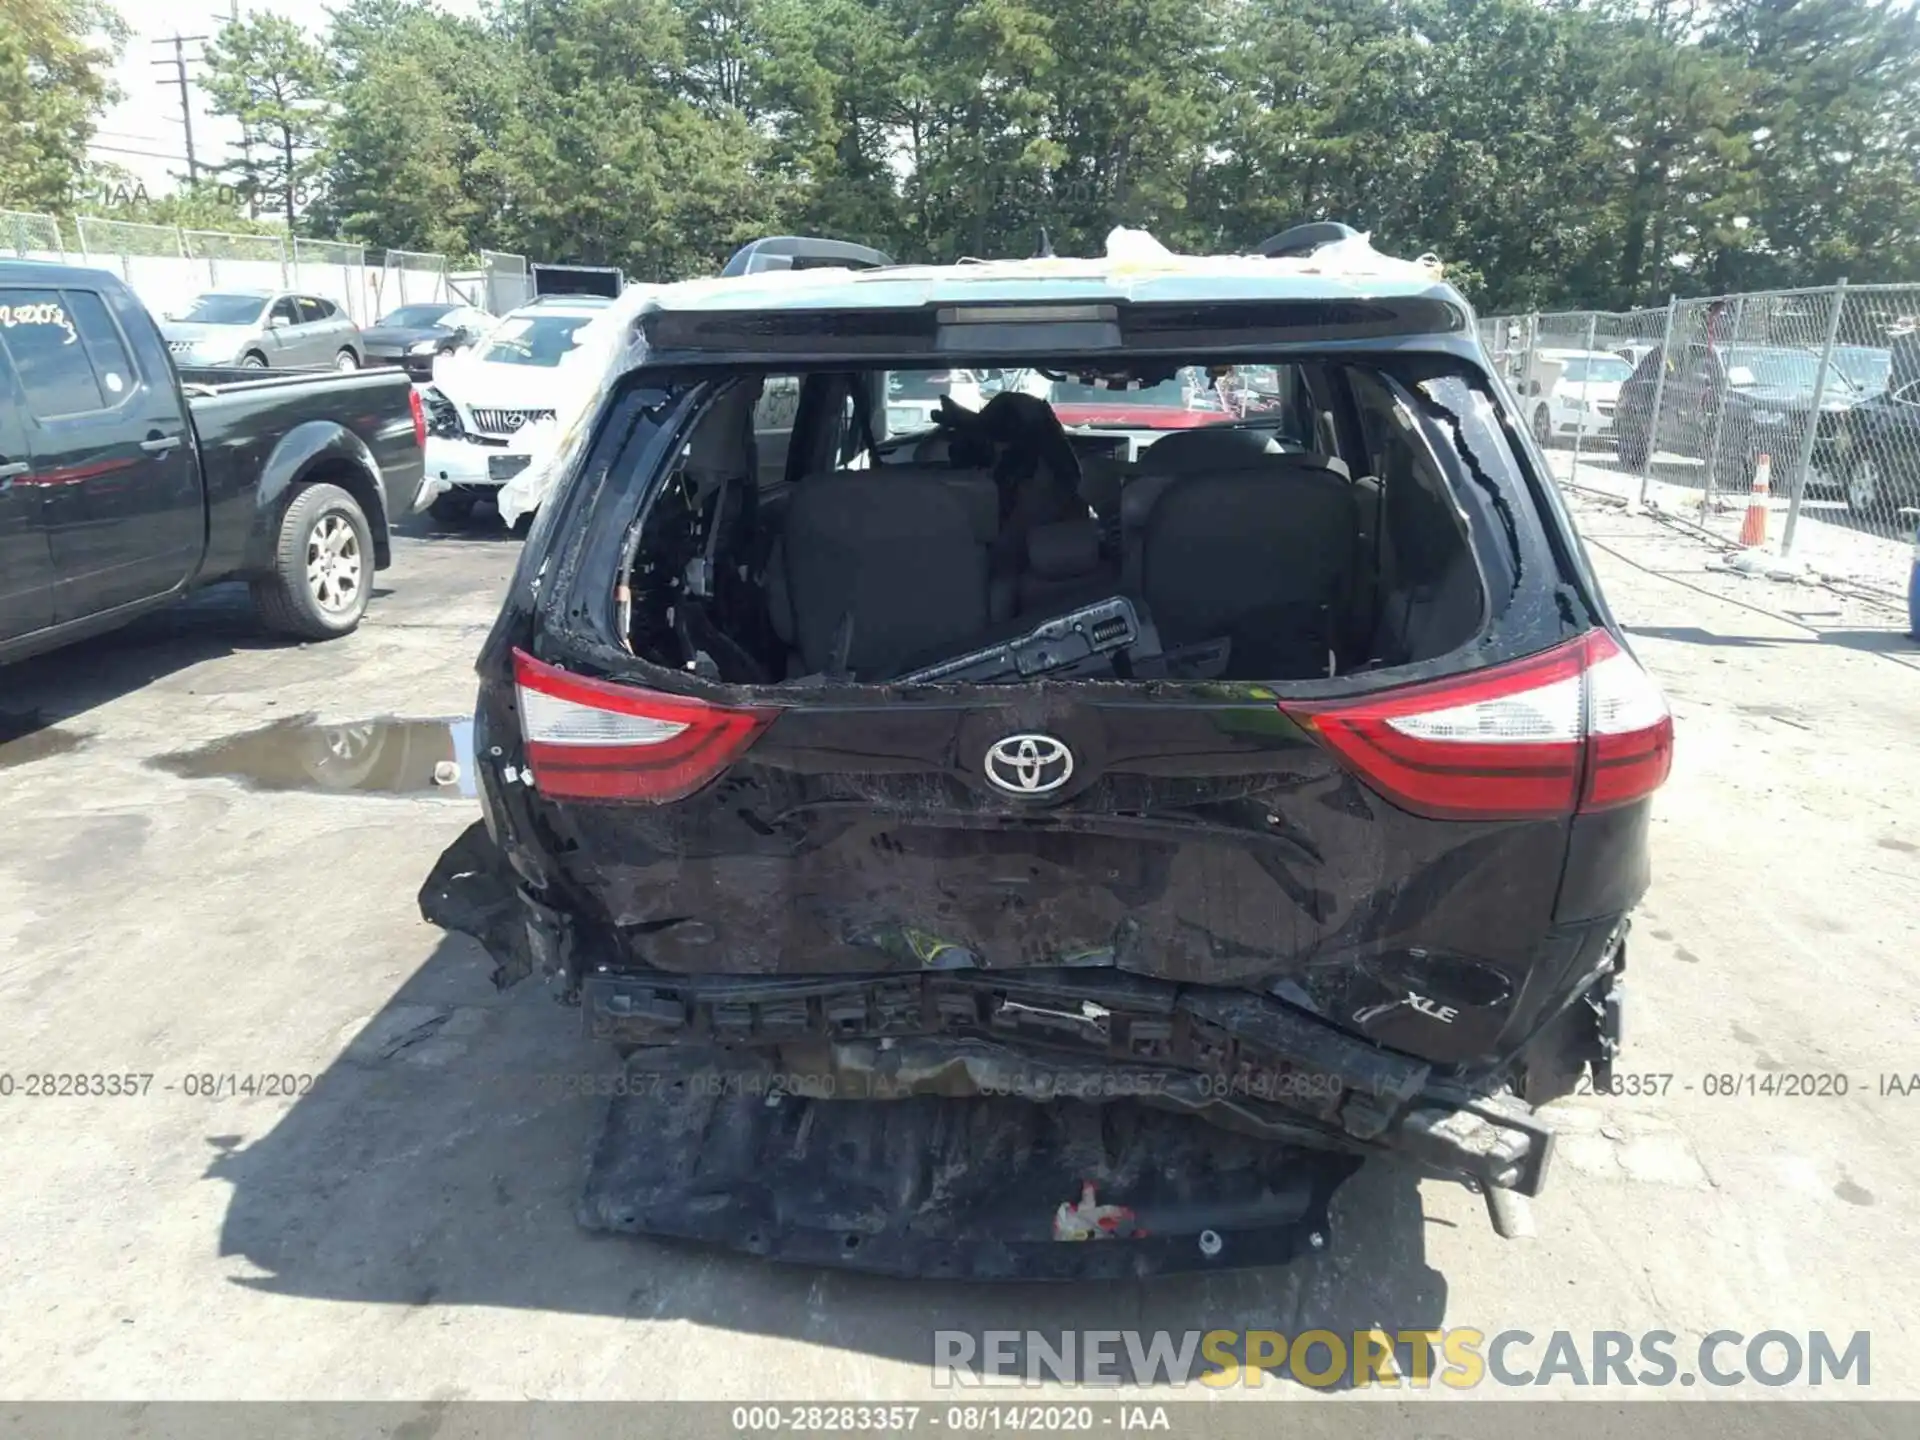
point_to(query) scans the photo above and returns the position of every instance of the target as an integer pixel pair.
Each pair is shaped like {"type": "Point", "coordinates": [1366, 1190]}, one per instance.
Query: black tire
{"type": "Point", "coordinates": [1886, 490]}
{"type": "Point", "coordinates": [451, 508]}
{"type": "Point", "coordinates": [290, 602]}
{"type": "Point", "coordinates": [253, 360]}
{"type": "Point", "coordinates": [1631, 450]}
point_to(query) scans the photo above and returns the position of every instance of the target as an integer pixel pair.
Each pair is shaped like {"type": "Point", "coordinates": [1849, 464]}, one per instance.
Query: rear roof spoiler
{"type": "Point", "coordinates": [803, 252]}
{"type": "Point", "coordinates": [1304, 239]}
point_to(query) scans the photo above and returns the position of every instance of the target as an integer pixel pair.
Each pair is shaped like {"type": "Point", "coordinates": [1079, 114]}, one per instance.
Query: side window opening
{"type": "Point", "coordinates": [44, 337]}
{"type": "Point", "coordinates": [113, 365]}
{"type": "Point", "coordinates": [1100, 524]}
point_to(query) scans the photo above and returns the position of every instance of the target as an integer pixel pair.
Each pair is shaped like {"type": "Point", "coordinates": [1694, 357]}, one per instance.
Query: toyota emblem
{"type": "Point", "coordinates": [1028, 765]}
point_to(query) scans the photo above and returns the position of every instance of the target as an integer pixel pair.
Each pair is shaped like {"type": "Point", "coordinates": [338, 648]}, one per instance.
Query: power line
{"type": "Point", "coordinates": [123, 150]}
{"type": "Point", "coordinates": [179, 64]}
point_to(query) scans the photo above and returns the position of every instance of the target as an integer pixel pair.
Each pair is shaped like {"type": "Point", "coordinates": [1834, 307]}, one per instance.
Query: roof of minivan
{"type": "Point", "coordinates": [1208, 279]}
{"type": "Point", "coordinates": [1342, 295]}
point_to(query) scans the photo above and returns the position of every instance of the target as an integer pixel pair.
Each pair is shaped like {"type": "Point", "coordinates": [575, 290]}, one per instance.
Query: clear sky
{"type": "Point", "coordinates": [144, 131]}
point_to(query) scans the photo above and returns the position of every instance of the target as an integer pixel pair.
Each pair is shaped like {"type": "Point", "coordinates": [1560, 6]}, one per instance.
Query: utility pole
{"type": "Point", "coordinates": [232, 17]}
{"type": "Point", "coordinates": [179, 64]}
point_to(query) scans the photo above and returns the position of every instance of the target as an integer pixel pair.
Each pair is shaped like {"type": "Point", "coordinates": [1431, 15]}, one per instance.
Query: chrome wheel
{"type": "Point", "coordinates": [334, 563]}
{"type": "Point", "coordinates": [345, 361]}
{"type": "Point", "coordinates": [252, 362]}
{"type": "Point", "coordinates": [347, 743]}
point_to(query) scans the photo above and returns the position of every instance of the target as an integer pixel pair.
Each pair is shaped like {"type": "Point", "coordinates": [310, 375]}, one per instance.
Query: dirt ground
{"type": "Point", "coordinates": [401, 1225]}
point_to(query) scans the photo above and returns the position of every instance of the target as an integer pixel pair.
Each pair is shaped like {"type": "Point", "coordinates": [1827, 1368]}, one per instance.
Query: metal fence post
{"type": "Point", "coordinates": [1659, 395]}
{"type": "Point", "coordinates": [1719, 410]}
{"type": "Point", "coordinates": [1805, 458]}
{"type": "Point", "coordinates": [1580, 423]}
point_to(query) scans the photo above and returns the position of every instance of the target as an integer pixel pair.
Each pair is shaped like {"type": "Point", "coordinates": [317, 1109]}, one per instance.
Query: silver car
{"type": "Point", "coordinates": [258, 329]}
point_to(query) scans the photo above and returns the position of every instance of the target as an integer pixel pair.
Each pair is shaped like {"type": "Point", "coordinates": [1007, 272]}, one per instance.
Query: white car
{"type": "Point", "coordinates": [480, 401]}
{"type": "Point", "coordinates": [913, 397]}
{"type": "Point", "coordinates": [1573, 392]}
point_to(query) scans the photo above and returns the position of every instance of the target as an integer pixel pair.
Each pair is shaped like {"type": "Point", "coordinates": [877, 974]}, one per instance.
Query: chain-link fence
{"type": "Point", "coordinates": [1788, 419]}
{"type": "Point", "coordinates": [411, 277]}
{"type": "Point", "coordinates": [168, 267]}
{"type": "Point", "coordinates": [336, 270]}
{"type": "Point", "coordinates": [508, 285]}
{"type": "Point", "coordinates": [27, 236]}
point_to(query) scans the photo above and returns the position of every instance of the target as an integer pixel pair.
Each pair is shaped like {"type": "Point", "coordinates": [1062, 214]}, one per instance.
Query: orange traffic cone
{"type": "Point", "coordinates": [1753, 529]}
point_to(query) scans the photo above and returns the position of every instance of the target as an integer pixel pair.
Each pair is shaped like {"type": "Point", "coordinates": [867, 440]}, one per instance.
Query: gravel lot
{"type": "Point", "coordinates": [402, 1226]}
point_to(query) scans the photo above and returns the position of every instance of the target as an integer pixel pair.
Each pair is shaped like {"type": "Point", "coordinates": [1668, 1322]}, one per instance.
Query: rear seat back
{"type": "Point", "coordinates": [1227, 536]}
{"type": "Point", "coordinates": [899, 552]}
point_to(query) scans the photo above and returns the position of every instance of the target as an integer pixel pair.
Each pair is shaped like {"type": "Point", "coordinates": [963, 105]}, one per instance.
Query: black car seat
{"type": "Point", "coordinates": [1227, 536]}
{"type": "Point", "coordinates": [873, 567]}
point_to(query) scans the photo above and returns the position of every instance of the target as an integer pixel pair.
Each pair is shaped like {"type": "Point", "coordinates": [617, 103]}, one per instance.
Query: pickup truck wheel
{"type": "Point", "coordinates": [323, 567]}
{"type": "Point", "coordinates": [346, 360]}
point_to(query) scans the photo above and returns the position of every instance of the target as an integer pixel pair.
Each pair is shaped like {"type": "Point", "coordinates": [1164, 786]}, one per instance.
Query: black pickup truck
{"type": "Point", "coordinates": [125, 483]}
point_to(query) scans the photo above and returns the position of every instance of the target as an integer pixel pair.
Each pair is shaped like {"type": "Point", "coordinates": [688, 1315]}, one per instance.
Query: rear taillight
{"type": "Point", "coordinates": [590, 740]}
{"type": "Point", "coordinates": [1581, 727]}
{"type": "Point", "coordinates": [419, 418]}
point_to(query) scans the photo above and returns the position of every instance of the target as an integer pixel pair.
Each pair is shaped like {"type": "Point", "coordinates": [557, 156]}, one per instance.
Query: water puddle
{"type": "Point", "coordinates": [362, 757]}
{"type": "Point", "coordinates": [23, 739]}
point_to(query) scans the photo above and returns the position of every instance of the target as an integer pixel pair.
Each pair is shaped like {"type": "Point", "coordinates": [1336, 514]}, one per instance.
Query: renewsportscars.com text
{"type": "Point", "coordinates": [1462, 1358]}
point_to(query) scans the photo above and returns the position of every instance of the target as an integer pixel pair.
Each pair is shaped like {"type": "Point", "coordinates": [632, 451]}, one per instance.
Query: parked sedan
{"type": "Point", "coordinates": [262, 329]}
{"type": "Point", "coordinates": [1879, 446]}
{"type": "Point", "coordinates": [1573, 393]}
{"type": "Point", "coordinates": [1736, 402]}
{"type": "Point", "coordinates": [413, 334]}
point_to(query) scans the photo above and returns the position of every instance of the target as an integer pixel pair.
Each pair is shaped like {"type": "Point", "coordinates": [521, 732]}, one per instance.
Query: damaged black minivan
{"type": "Point", "coordinates": [1188, 756]}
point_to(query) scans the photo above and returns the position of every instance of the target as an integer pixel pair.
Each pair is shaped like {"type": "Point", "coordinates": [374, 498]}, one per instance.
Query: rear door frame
{"type": "Point", "coordinates": [27, 576]}
{"type": "Point", "coordinates": [131, 433]}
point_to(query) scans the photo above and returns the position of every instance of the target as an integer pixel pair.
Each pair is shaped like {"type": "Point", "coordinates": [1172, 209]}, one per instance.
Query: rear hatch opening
{"type": "Point", "coordinates": [1175, 520]}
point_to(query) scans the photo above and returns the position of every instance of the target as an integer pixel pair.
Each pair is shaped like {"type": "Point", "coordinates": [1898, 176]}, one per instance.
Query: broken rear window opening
{"type": "Point", "coordinates": [1102, 521]}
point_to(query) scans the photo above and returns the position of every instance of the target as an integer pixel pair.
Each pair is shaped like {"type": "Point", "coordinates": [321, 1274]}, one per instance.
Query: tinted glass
{"type": "Point", "coordinates": [226, 310]}
{"type": "Point", "coordinates": [1782, 367]}
{"type": "Point", "coordinates": [533, 339]}
{"type": "Point", "coordinates": [43, 337]}
{"type": "Point", "coordinates": [1595, 370]}
{"type": "Point", "coordinates": [412, 317]}
{"type": "Point", "coordinates": [1865, 368]}
{"type": "Point", "coordinates": [106, 347]}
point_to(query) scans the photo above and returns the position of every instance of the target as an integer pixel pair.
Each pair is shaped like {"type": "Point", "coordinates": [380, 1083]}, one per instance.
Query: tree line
{"type": "Point", "coordinates": [1553, 152]}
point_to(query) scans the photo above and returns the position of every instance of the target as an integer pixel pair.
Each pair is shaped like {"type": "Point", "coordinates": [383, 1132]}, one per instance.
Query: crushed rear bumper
{"type": "Point", "coordinates": [1246, 1063]}
{"type": "Point", "coordinates": [701, 1148]}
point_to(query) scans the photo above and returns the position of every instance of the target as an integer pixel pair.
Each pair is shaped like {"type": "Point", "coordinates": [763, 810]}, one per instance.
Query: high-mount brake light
{"type": "Point", "coordinates": [1578, 728]}
{"type": "Point", "coordinates": [593, 740]}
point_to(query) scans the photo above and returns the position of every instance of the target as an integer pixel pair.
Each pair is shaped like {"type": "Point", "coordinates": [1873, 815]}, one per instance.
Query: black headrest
{"type": "Point", "coordinates": [1208, 448]}
{"type": "Point", "coordinates": [1063, 550]}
